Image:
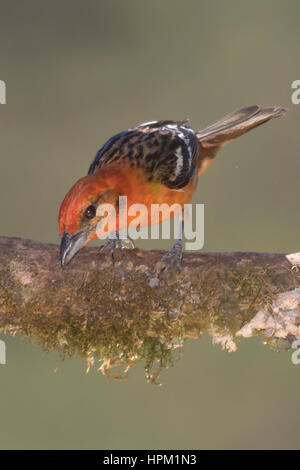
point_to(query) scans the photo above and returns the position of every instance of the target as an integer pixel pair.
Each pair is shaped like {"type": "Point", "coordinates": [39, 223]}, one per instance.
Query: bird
{"type": "Point", "coordinates": [157, 162]}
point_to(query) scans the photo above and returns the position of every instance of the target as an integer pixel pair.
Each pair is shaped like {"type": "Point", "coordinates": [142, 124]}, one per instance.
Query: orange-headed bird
{"type": "Point", "coordinates": [153, 163]}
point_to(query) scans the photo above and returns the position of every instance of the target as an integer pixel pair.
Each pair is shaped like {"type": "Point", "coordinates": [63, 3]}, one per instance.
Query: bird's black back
{"type": "Point", "coordinates": [165, 150]}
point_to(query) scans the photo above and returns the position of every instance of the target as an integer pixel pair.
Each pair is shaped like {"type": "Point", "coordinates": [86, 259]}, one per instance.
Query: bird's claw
{"type": "Point", "coordinates": [125, 244]}
{"type": "Point", "coordinates": [112, 243]}
{"type": "Point", "coordinates": [109, 245]}
{"type": "Point", "coordinates": [172, 260]}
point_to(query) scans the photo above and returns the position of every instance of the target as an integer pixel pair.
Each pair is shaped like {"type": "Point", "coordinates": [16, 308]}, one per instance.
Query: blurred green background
{"type": "Point", "coordinates": [76, 73]}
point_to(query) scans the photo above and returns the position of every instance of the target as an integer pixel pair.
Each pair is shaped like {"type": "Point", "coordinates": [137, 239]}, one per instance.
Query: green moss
{"type": "Point", "coordinates": [120, 320]}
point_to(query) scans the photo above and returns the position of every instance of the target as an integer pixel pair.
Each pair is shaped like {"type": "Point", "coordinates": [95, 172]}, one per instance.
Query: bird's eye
{"type": "Point", "coordinates": [90, 212]}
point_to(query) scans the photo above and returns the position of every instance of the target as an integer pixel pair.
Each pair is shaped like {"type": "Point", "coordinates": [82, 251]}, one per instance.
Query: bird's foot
{"type": "Point", "coordinates": [125, 243]}
{"type": "Point", "coordinates": [109, 245]}
{"type": "Point", "coordinates": [172, 260]}
{"type": "Point", "coordinates": [112, 243]}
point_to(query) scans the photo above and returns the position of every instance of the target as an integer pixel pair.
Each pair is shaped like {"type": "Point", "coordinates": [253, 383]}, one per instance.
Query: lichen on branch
{"type": "Point", "coordinates": [126, 313]}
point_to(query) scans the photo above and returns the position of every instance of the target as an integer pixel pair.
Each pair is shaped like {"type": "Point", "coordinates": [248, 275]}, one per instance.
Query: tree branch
{"type": "Point", "coordinates": [129, 312]}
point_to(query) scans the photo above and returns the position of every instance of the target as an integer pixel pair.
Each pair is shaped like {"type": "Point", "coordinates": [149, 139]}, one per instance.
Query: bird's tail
{"type": "Point", "coordinates": [214, 137]}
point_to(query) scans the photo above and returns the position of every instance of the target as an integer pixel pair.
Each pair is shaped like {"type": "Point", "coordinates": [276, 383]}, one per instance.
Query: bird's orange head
{"type": "Point", "coordinates": [78, 218]}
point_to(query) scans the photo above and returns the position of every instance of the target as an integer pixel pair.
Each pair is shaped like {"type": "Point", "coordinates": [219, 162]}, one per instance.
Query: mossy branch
{"type": "Point", "coordinates": [125, 313]}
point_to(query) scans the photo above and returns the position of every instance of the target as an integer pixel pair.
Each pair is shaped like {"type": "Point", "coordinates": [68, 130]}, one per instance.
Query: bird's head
{"type": "Point", "coordinates": [79, 215]}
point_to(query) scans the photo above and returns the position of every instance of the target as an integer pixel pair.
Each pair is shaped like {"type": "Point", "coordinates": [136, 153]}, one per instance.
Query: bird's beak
{"type": "Point", "coordinates": [70, 244]}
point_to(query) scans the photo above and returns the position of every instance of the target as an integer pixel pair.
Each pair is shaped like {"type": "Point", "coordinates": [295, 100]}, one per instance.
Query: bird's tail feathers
{"type": "Point", "coordinates": [214, 137]}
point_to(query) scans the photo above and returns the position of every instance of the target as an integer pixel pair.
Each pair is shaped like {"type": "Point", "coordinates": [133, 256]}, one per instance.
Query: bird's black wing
{"type": "Point", "coordinates": [165, 150]}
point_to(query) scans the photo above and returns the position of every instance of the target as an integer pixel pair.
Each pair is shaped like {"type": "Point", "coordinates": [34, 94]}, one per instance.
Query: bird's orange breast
{"type": "Point", "coordinates": [139, 190]}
